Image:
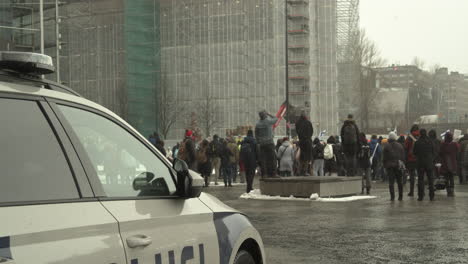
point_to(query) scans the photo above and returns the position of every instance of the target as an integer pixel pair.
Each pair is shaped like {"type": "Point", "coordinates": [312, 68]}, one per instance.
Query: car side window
{"type": "Point", "coordinates": [123, 164]}
{"type": "Point", "coordinates": [33, 166]}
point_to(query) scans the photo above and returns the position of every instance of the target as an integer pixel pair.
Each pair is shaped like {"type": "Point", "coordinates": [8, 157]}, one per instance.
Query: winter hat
{"type": "Point", "coordinates": [392, 135]}
{"type": "Point", "coordinates": [423, 132]}
{"type": "Point", "coordinates": [188, 133]}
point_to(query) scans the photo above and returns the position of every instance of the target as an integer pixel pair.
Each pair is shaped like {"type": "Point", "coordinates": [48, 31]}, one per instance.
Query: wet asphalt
{"type": "Point", "coordinates": [365, 231]}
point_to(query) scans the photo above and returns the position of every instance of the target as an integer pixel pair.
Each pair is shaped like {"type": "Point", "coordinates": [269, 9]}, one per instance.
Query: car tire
{"type": "Point", "coordinates": [244, 257]}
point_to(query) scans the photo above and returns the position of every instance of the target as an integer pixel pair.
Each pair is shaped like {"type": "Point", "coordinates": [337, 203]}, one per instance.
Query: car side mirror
{"type": "Point", "coordinates": [148, 185]}
{"type": "Point", "coordinates": [189, 183]}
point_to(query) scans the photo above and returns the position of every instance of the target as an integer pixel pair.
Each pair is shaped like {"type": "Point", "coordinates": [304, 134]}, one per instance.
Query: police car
{"type": "Point", "coordinates": [80, 185]}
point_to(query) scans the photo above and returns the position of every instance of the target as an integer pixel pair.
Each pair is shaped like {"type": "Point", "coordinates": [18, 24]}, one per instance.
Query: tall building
{"type": "Point", "coordinates": [233, 52]}
{"type": "Point", "coordinates": [106, 50]}
{"type": "Point", "coordinates": [451, 93]}
{"type": "Point", "coordinates": [229, 54]}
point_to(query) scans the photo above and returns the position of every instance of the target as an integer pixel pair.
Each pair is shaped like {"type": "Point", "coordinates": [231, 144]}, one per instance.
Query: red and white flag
{"type": "Point", "coordinates": [280, 115]}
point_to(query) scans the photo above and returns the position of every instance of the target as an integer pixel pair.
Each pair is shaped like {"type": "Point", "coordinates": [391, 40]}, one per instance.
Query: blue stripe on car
{"type": "Point", "coordinates": [229, 227]}
{"type": "Point", "coordinates": [5, 250]}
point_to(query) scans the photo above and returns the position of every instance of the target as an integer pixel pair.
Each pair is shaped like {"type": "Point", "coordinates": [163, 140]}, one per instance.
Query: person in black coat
{"type": "Point", "coordinates": [350, 144]}
{"type": "Point", "coordinates": [424, 152]}
{"type": "Point", "coordinates": [304, 130]}
{"type": "Point", "coordinates": [248, 156]}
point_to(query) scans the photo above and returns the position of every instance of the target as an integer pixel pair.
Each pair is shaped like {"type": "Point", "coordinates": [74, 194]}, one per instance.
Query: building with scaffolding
{"type": "Point", "coordinates": [234, 52]}
{"type": "Point", "coordinates": [349, 68]}
{"type": "Point", "coordinates": [106, 50]}
{"type": "Point", "coordinates": [237, 54]}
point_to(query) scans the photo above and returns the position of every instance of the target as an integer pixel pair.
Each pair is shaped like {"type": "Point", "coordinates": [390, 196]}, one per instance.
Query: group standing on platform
{"type": "Point", "coordinates": [419, 157]}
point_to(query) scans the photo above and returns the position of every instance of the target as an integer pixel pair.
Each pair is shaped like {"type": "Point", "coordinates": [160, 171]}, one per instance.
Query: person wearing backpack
{"type": "Point", "coordinates": [187, 150]}
{"type": "Point", "coordinates": [350, 144]}
{"type": "Point", "coordinates": [264, 137]}
{"type": "Point", "coordinates": [364, 163]}
{"type": "Point", "coordinates": [304, 130]}
{"type": "Point", "coordinates": [248, 156]}
{"type": "Point", "coordinates": [285, 157]}
{"type": "Point", "coordinates": [329, 156]}
{"type": "Point", "coordinates": [214, 154]}
{"type": "Point", "coordinates": [411, 164]}
{"type": "Point", "coordinates": [318, 156]}
{"type": "Point", "coordinates": [204, 164]}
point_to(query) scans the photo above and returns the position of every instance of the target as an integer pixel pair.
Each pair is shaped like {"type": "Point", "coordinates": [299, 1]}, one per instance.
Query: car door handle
{"type": "Point", "coordinates": [138, 241]}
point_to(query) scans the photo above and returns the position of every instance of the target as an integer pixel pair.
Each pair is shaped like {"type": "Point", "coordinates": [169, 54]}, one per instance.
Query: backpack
{"type": "Point", "coordinates": [328, 152]}
{"type": "Point", "coordinates": [246, 149]}
{"type": "Point", "coordinates": [215, 149]}
{"type": "Point", "coordinates": [201, 156]}
{"type": "Point", "coordinates": [364, 152]}
{"type": "Point", "coordinates": [350, 134]}
{"type": "Point", "coordinates": [182, 152]}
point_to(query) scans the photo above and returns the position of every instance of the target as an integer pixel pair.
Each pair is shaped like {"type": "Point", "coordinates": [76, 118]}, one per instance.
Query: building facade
{"type": "Point", "coordinates": [233, 53]}
{"type": "Point", "coordinates": [228, 54]}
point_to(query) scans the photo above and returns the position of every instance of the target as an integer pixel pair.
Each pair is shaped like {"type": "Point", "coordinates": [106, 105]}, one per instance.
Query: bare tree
{"type": "Point", "coordinates": [168, 108]}
{"type": "Point", "coordinates": [367, 55]}
{"type": "Point", "coordinates": [207, 111]}
{"type": "Point", "coordinates": [418, 62]}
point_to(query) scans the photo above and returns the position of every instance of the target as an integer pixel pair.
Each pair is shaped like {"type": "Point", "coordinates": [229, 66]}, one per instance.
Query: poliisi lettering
{"type": "Point", "coordinates": [186, 255]}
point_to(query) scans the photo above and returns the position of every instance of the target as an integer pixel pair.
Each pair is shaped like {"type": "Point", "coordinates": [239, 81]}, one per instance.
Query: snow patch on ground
{"type": "Point", "coordinates": [257, 195]}
{"type": "Point", "coordinates": [221, 184]}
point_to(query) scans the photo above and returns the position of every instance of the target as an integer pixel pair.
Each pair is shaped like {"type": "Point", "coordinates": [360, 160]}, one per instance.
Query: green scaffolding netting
{"type": "Point", "coordinates": [142, 63]}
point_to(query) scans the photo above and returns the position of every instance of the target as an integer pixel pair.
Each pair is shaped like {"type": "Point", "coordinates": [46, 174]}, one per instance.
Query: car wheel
{"type": "Point", "coordinates": [244, 257]}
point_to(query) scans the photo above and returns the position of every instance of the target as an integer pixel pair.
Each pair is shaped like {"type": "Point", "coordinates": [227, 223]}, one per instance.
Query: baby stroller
{"type": "Point", "coordinates": [441, 182]}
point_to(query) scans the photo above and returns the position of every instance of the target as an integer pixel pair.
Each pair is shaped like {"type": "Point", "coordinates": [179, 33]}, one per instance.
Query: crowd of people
{"type": "Point", "coordinates": [419, 155]}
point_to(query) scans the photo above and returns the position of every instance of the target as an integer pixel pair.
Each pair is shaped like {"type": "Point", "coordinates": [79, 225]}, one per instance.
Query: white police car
{"type": "Point", "coordinates": [80, 185]}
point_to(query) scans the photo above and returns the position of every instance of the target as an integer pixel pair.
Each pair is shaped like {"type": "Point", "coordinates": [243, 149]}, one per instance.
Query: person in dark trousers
{"type": "Point", "coordinates": [248, 156]}
{"type": "Point", "coordinates": [410, 158]}
{"type": "Point", "coordinates": [448, 155]}
{"type": "Point", "coordinates": [226, 165]}
{"type": "Point", "coordinates": [436, 142]}
{"type": "Point", "coordinates": [424, 152]}
{"type": "Point", "coordinates": [187, 150]}
{"type": "Point", "coordinates": [393, 156]}
{"type": "Point", "coordinates": [350, 144]}
{"type": "Point", "coordinates": [463, 142]}
{"type": "Point", "coordinates": [331, 167]}
{"type": "Point", "coordinates": [364, 165]}
{"type": "Point", "coordinates": [317, 154]}
{"type": "Point", "coordinates": [264, 137]}
{"type": "Point", "coordinates": [340, 157]}
{"type": "Point", "coordinates": [304, 130]}
{"type": "Point", "coordinates": [203, 161]}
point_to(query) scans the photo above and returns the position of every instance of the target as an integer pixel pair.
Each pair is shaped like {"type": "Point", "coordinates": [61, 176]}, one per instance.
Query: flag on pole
{"type": "Point", "coordinates": [280, 114]}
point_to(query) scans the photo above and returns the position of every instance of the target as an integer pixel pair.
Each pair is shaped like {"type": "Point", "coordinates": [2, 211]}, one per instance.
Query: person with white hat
{"type": "Point", "coordinates": [393, 157]}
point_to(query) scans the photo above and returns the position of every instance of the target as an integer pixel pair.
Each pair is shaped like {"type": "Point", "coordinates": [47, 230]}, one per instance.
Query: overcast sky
{"type": "Point", "coordinates": [434, 30]}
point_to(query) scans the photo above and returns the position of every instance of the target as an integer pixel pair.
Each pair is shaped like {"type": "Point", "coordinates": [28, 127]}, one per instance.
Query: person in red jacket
{"type": "Point", "coordinates": [448, 155]}
{"type": "Point", "coordinates": [411, 164]}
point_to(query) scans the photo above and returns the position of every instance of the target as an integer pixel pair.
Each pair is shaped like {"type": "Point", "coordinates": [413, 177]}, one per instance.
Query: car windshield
{"type": "Point", "coordinates": [340, 126]}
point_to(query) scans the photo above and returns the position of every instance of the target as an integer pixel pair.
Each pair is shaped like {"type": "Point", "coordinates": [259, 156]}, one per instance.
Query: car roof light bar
{"type": "Point", "coordinates": [26, 62]}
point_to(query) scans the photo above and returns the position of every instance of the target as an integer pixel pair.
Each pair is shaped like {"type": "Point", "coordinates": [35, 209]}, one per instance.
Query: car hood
{"type": "Point", "coordinates": [215, 204]}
